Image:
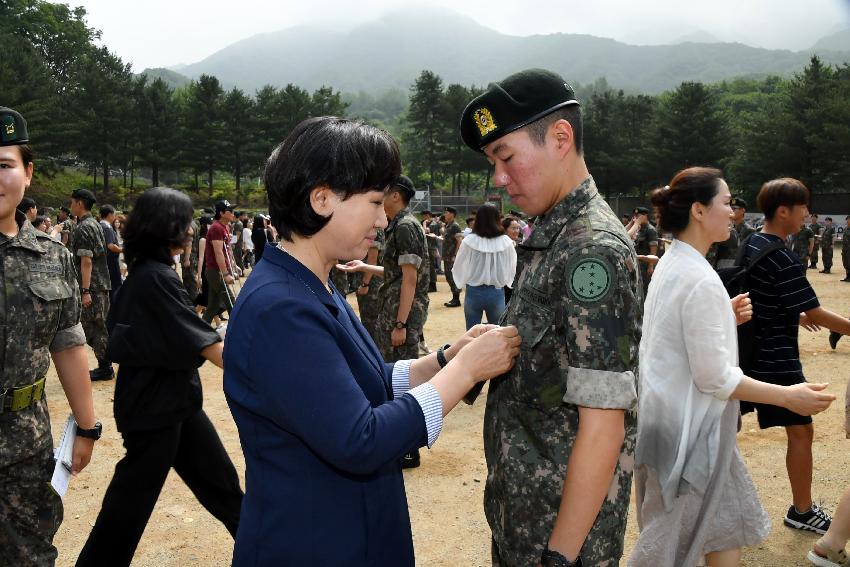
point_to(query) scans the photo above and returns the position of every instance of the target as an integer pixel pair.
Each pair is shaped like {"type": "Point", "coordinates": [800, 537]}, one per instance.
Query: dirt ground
{"type": "Point", "coordinates": [445, 494]}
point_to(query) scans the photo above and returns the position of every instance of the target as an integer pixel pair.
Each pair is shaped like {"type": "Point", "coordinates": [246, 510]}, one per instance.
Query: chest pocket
{"type": "Point", "coordinates": [535, 379]}
{"type": "Point", "coordinates": [48, 296]}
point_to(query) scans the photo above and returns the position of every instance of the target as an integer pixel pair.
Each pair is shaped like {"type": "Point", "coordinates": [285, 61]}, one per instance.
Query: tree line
{"type": "Point", "coordinates": [87, 109]}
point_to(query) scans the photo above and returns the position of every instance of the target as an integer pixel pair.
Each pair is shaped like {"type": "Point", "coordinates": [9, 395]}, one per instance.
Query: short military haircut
{"type": "Point", "coordinates": [689, 186]}
{"type": "Point", "coordinates": [347, 156]}
{"type": "Point", "coordinates": [85, 197]}
{"type": "Point", "coordinates": [26, 204]}
{"type": "Point", "coordinates": [828, 219]}
{"type": "Point", "coordinates": [537, 130]}
{"type": "Point", "coordinates": [783, 192]}
{"type": "Point", "coordinates": [106, 210]}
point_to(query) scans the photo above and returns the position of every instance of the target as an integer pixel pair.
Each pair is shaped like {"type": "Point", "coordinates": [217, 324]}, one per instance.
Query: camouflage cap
{"type": "Point", "coordinates": [13, 128]}
{"type": "Point", "coordinates": [515, 102]}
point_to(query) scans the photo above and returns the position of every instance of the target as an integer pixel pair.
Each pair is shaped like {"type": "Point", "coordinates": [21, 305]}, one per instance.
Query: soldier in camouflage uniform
{"type": "Point", "coordinates": [88, 246]}
{"type": "Point", "coordinates": [430, 227]}
{"type": "Point", "coordinates": [368, 287]}
{"type": "Point", "coordinates": [39, 317]}
{"type": "Point", "coordinates": [802, 243]}
{"type": "Point", "coordinates": [399, 326]}
{"type": "Point", "coordinates": [451, 242]}
{"type": "Point", "coordinates": [742, 227]}
{"type": "Point", "coordinates": [816, 229]}
{"type": "Point", "coordinates": [827, 238]}
{"type": "Point", "coordinates": [189, 261]}
{"type": "Point", "coordinates": [552, 495]}
{"type": "Point", "coordinates": [845, 249]}
{"type": "Point", "coordinates": [646, 243]}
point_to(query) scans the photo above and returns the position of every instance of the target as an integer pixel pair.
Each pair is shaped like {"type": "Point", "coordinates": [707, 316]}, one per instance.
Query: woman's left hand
{"type": "Point", "coordinates": [742, 305]}
{"type": "Point", "coordinates": [474, 332]}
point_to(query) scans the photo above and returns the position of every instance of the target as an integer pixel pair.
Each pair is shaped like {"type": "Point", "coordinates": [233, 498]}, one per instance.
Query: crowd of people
{"type": "Point", "coordinates": [614, 347]}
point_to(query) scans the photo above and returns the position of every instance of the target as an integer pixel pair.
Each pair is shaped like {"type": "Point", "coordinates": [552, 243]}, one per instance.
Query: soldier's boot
{"type": "Point", "coordinates": [847, 279]}
{"type": "Point", "coordinates": [410, 460]}
{"type": "Point", "coordinates": [102, 372]}
{"type": "Point", "coordinates": [432, 287]}
{"type": "Point", "coordinates": [455, 302]}
{"type": "Point", "coordinates": [834, 337]}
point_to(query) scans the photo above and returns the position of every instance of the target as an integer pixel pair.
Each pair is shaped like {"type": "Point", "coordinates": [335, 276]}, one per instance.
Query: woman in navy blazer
{"type": "Point", "coordinates": [322, 419]}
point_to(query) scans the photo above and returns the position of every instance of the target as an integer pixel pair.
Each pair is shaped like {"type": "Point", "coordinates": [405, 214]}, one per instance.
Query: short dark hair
{"type": "Point", "coordinates": [106, 210]}
{"type": "Point", "coordinates": [38, 220]}
{"type": "Point", "coordinates": [347, 156]}
{"type": "Point", "coordinates": [404, 187]}
{"type": "Point", "coordinates": [26, 204]}
{"type": "Point", "coordinates": [507, 221]}
{"type": "Point", "coordinates": [689, 186]}
{"type": "Point", "coordinates": [782, 192]}
{"type": "Point", "coordinates": [828, 219]}
{"type": "Point", "coordinates": [27, 154]}
{"type": "Point", "coordinates": [487, 222]}
{"type": "Point", "coordinates": [157, 224]}
{"type": "Point", "coordinates": [572, 114]}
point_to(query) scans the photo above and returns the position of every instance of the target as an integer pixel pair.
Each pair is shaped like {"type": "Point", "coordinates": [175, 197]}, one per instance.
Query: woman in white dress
{"type": "Point", "coordinates": [695, 497]}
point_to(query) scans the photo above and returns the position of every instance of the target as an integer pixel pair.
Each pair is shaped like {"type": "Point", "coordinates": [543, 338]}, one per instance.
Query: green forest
{"type": "Point", "coordinates": [94, 123]}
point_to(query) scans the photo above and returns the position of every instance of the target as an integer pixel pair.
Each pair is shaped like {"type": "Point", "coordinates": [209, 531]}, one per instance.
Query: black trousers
{"type": "Point", "coordinates": [195, 451]}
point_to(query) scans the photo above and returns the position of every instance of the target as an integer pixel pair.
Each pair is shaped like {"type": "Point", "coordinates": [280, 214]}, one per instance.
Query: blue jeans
{"type": "Point", "coordinates": [482, 299]}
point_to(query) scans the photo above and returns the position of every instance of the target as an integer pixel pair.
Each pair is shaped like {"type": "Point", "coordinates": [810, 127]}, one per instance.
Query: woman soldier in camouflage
{"type": "Point", "coordinates": [39, 313]}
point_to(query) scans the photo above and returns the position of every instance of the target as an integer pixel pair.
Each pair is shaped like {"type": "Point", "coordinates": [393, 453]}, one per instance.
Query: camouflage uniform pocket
{"type": "Point", "coordinates": [47, 297]}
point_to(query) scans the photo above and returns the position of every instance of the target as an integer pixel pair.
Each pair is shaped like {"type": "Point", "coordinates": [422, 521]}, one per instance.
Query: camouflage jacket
{"type": "Point", "coordinates": [722, 254]}
{"type": "Point", "coordinates": [88, 240]}
{"type": "Point", "coordinates": [647, 236]}
{"type": "Point", "coordinates": [405, 244]}
{"type": "Point", "coordinates": [450, 243]}
{"type": "Point", "coordinates": [577, 305]}
{"type": "Point", "coordinates": [827, 237]}
{"type": "Point", "coordinates": [40, 311]}
{"type": "Point", "coordinates": [374, 282]}
{"type": "Point", "coordinates": [800, 242]}
{"type": "Point", "coordinates": [744, 231]}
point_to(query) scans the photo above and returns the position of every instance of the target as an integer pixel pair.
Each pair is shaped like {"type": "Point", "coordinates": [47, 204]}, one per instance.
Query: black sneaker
{"type": "Point", "coordinates": [833, 339]}
{"type": "Point", "coordinates": [99, 374]}
{"type": "Point", "coordinates": [455, 302]}
{"type": "Point", "coordinates": [410, 460]}
{"type": "Point", "coordinates": [814, 520]}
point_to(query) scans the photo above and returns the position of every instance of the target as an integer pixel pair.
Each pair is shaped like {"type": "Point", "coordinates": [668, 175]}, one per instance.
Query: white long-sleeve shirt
{"type": "Point", "coordinates": [485, 261]}
{"type": "Point", "coordinates": [688, 370]}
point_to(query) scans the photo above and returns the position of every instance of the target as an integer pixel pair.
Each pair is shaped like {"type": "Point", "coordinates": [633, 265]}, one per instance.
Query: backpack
{"type": "Point", "coordinates": [736, 281]}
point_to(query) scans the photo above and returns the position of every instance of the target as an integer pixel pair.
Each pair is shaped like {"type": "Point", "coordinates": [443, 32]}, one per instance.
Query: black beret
{"type": "Point", "coordinates": [84, 195]}
{"type": "Point", "coordinates": [738, 202]}
{"type": "Point", "coordinates": [404, 182]}
{"type": "Point", "coordinates": [13, 128]}
{"type": "Point", "coordinates": [515, 102]}
{"type": "Point", "coordinates": [641, 211]}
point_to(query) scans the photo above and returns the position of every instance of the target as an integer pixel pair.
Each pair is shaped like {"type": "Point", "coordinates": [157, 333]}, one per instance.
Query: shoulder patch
{"type": "Point", "coordinates": [590, 278]}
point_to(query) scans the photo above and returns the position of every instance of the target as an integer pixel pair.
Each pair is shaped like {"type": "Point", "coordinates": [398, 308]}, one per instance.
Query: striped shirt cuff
{"type": "Point", "coordinates": [401, 377]}
{"type": "Point", "coordinates": [432, 408]}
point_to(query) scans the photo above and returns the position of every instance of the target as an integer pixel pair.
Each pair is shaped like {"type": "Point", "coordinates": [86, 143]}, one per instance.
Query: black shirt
{"type": "Point", "coordinates": [156, 338]}
{"type": "Point", "coordinates": [779, 291]}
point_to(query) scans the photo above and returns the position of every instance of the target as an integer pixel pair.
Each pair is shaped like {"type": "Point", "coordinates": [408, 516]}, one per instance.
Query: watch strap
{"type": "Point", "coordinates": [441, 355]}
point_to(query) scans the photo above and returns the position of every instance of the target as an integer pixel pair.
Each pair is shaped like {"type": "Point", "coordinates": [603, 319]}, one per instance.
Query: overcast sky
{"type": "Point", "coordinates": [160, 33]}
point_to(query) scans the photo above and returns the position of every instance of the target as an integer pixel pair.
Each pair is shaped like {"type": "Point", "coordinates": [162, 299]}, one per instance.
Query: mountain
{"type": "Point", "coordinates": [391, 51]}
{"type": "Point", "coordinates": [839, 41]}
{"type": "Point", "coordinates": [171, 77]}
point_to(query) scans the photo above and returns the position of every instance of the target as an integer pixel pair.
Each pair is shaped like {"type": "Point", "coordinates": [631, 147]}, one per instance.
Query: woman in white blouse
{"type": "Point", "coordinates": [485, 264]}
{"type": "Point", "coordinates": [694, 494]}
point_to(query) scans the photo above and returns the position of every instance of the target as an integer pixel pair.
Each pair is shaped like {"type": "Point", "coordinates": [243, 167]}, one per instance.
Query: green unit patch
{"type": "Point", "coordinates": [590, 279]}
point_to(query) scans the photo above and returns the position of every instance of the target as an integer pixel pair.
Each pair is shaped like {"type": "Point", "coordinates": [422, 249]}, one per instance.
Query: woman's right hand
{"type": "Point", "coordinates": [808, 399]}
{"type": "Point", "coordinates": [490, 354]}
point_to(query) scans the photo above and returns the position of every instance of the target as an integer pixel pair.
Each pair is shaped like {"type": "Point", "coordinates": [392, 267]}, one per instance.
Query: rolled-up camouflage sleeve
{"type": "Point", "coordinates": [603, 327]}
{"type": "Point", "coordinates": [69, 330]}
{"type": "Point", "coordinates": [88, 243]}
{"type": "Point", "coordinates": [411, 247]}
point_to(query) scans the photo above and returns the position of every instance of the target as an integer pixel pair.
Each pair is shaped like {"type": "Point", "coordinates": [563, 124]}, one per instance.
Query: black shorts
{"type": "Point", "coordinates": [777, 416]}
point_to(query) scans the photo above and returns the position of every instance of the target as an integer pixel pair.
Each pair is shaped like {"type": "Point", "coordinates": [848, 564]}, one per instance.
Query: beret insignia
{"type": "Point", "coordinates": [484, 120]}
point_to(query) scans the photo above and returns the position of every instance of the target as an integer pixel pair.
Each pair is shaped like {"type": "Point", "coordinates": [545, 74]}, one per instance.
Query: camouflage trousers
{"type": "Point", "coordinates": [30, 512]}
{"type": "Point", "coordinates": [408, 351]}
{"type": "Point", "coordinates": [368, 307]}
{"type": "Point", "coordinates": [93, 319]}
{"type": "Point", "coordinates": [190, 283]}
{"type": "Point", "coordinates": [826, 254]}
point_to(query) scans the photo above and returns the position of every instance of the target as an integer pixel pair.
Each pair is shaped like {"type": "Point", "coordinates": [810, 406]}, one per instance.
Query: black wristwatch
{"type": "Point", "coordinates": [93, 433]}
{"type": "Point", "coordinates": [400, 325]}
{"type": "Point", "coordinates": [441, 355]}
{"type": "Point", "coordinates": [554, 559]}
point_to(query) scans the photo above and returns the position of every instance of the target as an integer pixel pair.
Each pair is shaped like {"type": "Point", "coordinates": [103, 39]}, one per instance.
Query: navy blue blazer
{"type": "Point", "coordinates": [320, 430]}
